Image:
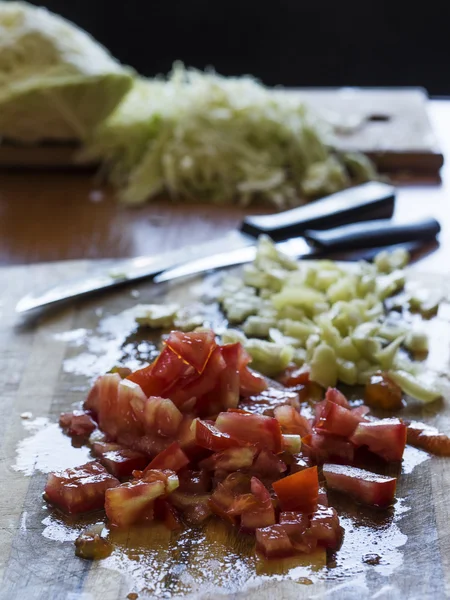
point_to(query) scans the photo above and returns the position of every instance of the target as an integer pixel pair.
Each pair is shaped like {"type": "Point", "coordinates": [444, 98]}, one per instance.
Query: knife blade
{"type": "Point", "coordinates": [371, 234]}
{"type": "Point", "coordinates": [367, 201]}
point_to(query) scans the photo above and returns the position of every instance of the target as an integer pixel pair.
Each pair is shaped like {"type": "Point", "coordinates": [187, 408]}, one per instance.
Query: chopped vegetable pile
{"type": "Point", "coordinates": [203, 137]}
{"type": "Point", "coordinates": [197, 434]}
{"type": "Point", "coordinates": [56, 82]}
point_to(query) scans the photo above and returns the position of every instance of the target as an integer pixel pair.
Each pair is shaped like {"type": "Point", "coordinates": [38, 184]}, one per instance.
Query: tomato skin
{"type": "Point", "coordinates": [172, 458]}
{"type": "Point", "coordinates": [428, 438]}
{"type": "Point", "coordinates": [386, 437]}
{"type": "Point", "coordinates": [336, 419]}
{"type": "Point", "coordinates": [209, 437]}
{"type": "Point", "coordinates": [118, 460]}
{"type": "Point", "coordinates": [194, 348]}
{"type": "Point", "coordinates": [291, 421]}
{"type": "Point", "coordinates": [77, 423]}
{"type": "Point", "coordinates": [324, 526]}
{"type": "Point", "coordinates": [81, 489]}
{"type": "Point", "coordinates": [366, 487]}
{"type": "Point", "coordinates": [251, 383]}
{"type": "Point", "coordinates": [252, 429]}
{"type": "Point", "coordinates": [273, 542]}
{"type": "Point", "coordinates": [298, 492]}
{"type": "Point", "coordinates": [334, 395]}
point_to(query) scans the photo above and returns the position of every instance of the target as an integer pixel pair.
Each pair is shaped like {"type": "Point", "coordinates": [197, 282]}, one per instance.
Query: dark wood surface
{"type": "Point", "coordinates": [47, 216]}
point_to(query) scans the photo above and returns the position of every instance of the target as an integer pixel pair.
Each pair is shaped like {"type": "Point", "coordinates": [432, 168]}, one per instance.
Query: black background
{"type": "Point", "coordinates": [290, 42]}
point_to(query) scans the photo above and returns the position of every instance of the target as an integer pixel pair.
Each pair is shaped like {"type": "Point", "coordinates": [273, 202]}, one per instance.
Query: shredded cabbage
{"type": "Point", "coordinates": [199, 136]}
{"type": "Point", "coordinates": [56, 82]}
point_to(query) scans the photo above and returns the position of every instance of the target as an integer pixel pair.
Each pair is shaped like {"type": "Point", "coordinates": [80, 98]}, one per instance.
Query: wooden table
{"type": "Point", "coordinates": [47, 216]}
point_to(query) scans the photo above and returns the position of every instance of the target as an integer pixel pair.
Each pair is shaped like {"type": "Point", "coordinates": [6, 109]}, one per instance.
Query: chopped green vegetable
{"type": "Point", "coordinates": [156, 315]}
{"type": "Point", "coordinates": [324, 367]}
{"type": "Point", "coordinates": [56, 82]}
{"type": "Point", "coordinates": [199, 136]}
{"type": "Point", "coordinates": [412, 386]}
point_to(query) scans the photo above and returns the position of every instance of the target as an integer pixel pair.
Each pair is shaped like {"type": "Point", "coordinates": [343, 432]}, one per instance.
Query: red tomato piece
{"type": "Point", "coordinates": [105, 387]}
{"type": "Point", "coordinates": [325, 527]}
{"type": "Point", "coordinates": [253, 429]}
{"type": "Point", "coordinates": [268, 465]}
{"type": "Point", "coordinates": [262, 513]}
{"type": "Point", "coordinates": [334, 395]}
{"type": "Point", "coordinates": [194, 348]}
{"type": "Point", "coordinates": [366, 487]}
{"type": "Point", "coordinates": [387, 438]}
{"type": "Point", "coordinates": [428, 438]}
{"type": "Point", "coordinates": [80, 489]}
{"type": "Point", "coordinates": [274, 542]}
{"type": "Point", "coordinates": [165, 512]}
{"type": "Point", "coordinates": [298, 492]}
{"type": "Point", "coordinates": [323, 447]}
{"type": "Point", "coordinates": [129, 503]}
{"type": "Point", "coordinates": [195, 509]}
{"type": "Point", "coordinates": [157, 415]}
{"type": "Point", "coordinates": [77, 423]}
{"type": "Point", "coordinates": [251, 383]}
{"type": "Point", "coordinates": [291, 421]}
{"type": "Point", "coordinates": [194, 482]}
{"type": "Point", "coordinates": [322, 499]}
{"type": "Point", "coordinates": [337, 420]}
{"type": "Point", "coordinates": [172, 458]}
{"type": "Point", "coordinates": [225, 494]}
{"type": "Point", "coordinates": [296, 526]}
{"type": "Point", "coordinates": [208, 436]}
{"type": "Point", "coordinates": [119, 461]}
{"type": "Point", "coordinates": [294, 375]}
{"type": "Point", "coordinates": [362, 410]}
{"type": "Point", "coordinates": [230, 459]}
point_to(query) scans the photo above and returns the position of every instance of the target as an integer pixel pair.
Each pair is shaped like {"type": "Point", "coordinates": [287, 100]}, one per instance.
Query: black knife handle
{"type": "Point", "coordinates": [372, 234]}
{"type": "Point", "coordinates": [373, 200]}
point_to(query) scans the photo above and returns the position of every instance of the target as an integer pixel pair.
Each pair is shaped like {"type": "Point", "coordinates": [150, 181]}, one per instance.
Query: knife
{"type": "Point", "coordinates": [367, 201]}
{"type": "Point", "coordinates": [314, 244]}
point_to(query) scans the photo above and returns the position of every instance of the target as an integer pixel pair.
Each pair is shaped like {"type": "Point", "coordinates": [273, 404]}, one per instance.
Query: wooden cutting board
{"type": "Point", "coordinates": [391, 125]}
{"type": "Point", "coordinates": [48, 365]}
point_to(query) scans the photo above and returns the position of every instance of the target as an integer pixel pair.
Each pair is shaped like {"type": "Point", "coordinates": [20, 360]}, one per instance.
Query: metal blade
{"type": "Point", "coordinates": [124, 271]}
{"type": "Point", "coordinates": [295, 247]}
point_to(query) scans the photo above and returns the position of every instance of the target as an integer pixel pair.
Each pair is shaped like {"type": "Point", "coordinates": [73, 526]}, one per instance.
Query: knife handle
{"type": "Point", "coordinates": [372, 234]}
{"type": "Point", "coordinates": [373, 200]}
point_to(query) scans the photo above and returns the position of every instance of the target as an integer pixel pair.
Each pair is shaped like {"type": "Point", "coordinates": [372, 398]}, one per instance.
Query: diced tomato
{"type": "Point", "coordinates": [323, 447]}
{"type": "Point", "coordinates": [273, 542]}
{"type": "Point", "coordinates": [231, 459]}
{"type": "Point", "coordinates": [299, 491]}
{"type": "Point", "coordinates": [225, 494]}
{"type": "Point", "coordinates": [129, 503]}
{"type": "Point", "coordinates": [77, 423]}
{"type": "Point", "coordinates": [157, 415]}
{"type": "Point", "coordinates": [147, 444]}
{"type": "Point", "coordinates": [167, 513]}
{"type": "Point", "coordinates": [366, 487]}
{"type": "Point", "coordinates": [296, 526]}
{"type": "Point", "coordinates": [252, 429]}
{"type": "Point", "coordinates": [387, 438]}
{"type": "Point", "coordinates": [172, 458]}
{"type": "Point", "coordinates": [428, 438]}
{"type": "Point", "coordinates": [208, 436]}
{"type": "Point", "coordinates": [337, 420]}
{"type": "Point", "coordinates": [119, 461]}
{"type": "Point", "coordinates": [80, 489]}
{"type": "Point", "coordinates": [105, 386]}
{"type": "Point", "coordinates": [334, 395]}
{"type": "Point", "coordinates": [294, 375]}
{"type": "Point", "coordinates": [291, 421]}
{"type": "Point", "coordinates": [194, 482]}
{"type": "Point", "coordinates": [362, 410]}
{"type": "Point", "coordinates": [262, 514]}
{"type": "Point", "coordinates": [382, 392]}
{"type": "Point", "coordinates": [195, 509]}
{"type": "Point", "coordinates": [195, 348]}
{"type": "Point", "coordinates": [325, 527]}
{"type": "Point", "coordinates": [164, 372]}
{"type": "Point", "coordinates": [268, 465]}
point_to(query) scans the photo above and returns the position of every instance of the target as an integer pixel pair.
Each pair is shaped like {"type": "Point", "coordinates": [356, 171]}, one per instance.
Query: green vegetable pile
{"type": "Point", "coordinates": [329, 316]}
{"type": "Point", "coordinates": [56, 82]}
{"type": "Point", "coordinates": [203, 137]}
